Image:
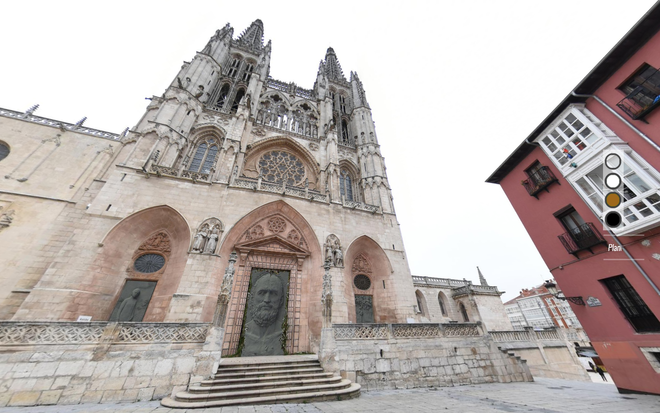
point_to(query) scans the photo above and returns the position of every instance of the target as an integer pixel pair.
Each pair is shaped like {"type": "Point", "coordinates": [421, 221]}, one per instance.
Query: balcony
{"type": "Point", "coordinates": [581, 238]}
{"type": "Point", "coordinates": [644, 98]}
{"type": "Point", "coordinates": [539, 180]}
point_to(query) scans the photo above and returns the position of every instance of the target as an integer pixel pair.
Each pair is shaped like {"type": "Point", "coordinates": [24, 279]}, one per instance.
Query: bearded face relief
{"type": "Point", "coordinates": [266, 309]}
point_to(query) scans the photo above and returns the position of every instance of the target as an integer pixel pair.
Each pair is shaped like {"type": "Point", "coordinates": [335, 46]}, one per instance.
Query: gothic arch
{"type": "Point", "coordinates": [284, 143]}
{"type": "Point", "coordinates": [443, 302]}
{"type": "Point", "coordinates": [380, 274]}
{"type": "Point", "coordinates": [276, 236]}
{"type": "Point", "coordinates": [422, 307]}
{"type": "Point", "coordinates": [113, 264]}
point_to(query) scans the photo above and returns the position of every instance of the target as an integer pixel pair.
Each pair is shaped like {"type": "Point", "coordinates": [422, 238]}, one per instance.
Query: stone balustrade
{"type": "Point", "coordinates": [21, 333]}
{"type": "Point", "coordinates": [57, 124]}
{"type": "Point", "coordinates": [392, 331]}
{"type": "Point", "coordinates": [526, 335]}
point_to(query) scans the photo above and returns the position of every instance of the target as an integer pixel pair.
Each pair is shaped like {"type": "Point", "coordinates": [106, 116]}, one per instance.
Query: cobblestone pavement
{"type": "Point", "coordinates": [544, 395]}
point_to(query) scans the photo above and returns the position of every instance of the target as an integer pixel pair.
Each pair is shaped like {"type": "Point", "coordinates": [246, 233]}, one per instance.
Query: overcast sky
{"type": "Point", "coordinates": [454, 87]}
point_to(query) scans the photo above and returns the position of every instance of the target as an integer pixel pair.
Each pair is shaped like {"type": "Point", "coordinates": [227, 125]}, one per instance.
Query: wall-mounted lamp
{"type": "Point", "coordinates": [552, 289]}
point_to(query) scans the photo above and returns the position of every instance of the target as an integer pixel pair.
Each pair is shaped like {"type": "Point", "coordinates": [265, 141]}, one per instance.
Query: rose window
{"type": "Point", "coordinates": [279, 166]}
{"type": "Point", "coordinates": [362, 282]}
{"type": "Point", "coordinates": [149, 263]}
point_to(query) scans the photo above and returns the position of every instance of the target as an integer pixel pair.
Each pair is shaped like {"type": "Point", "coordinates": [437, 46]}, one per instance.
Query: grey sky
{"type": "Point", "coordinates": [454, 88]}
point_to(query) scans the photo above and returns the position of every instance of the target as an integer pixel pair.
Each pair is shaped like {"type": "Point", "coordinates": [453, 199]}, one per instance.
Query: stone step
{"type": "Point", "coordinates": [265, 384]}
{"type": "Point", "coordinates": [353, 390]}
{"type": "Point", "coordinates": [244, 374]}
{"type": "Point", "coordinates": [219, 382]}
{"type": "Point", "coordinates": [266, 367]}
{"type": "Point", "coordinates": [209, 395]}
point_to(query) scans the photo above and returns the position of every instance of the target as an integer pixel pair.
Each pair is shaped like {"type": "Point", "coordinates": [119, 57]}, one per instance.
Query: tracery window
{"type": "Point", "coordinates": [222, 98]}
{"type": "Point", "coordinates": [237, 100]}
{"type": "Point", "coordinates": [346, 185]}
{"type": "Point", "coordinates": [233, 68]}
{"type": "Point", "coordinates": [4, 150]}
{"type": "Point", "coordinates": [248, 72]}
{"type": "Point", "coordinates": [204, 157]}
{"type": "Point", "coordinates": [344, 133]}
{"type": "Point", "coordinates": [280, 166]}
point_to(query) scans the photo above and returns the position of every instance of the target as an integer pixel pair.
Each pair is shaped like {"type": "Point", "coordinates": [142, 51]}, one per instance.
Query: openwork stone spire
{"type": "Point", "coordinates": [482, 279]}
{"type": "Point", "coordinates": [332, 66]}
{"type": "Point", "coordinates": [359, 97]}
{"type": "Point", "coordinates": [253, 36]}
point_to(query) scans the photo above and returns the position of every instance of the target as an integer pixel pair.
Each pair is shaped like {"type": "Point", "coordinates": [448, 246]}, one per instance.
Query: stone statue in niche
{"type": "Point", "coordinates": [133, 301]}
{"type": "Point", "coordinates": [212, 241]}
{"type": "Point", "coordinates": [200, 239]}
{"type": "Point", "coordinates": [266, 309]}
{"type": "Point", "coordinates": [339, 256]}
{"type": "Point", "coordinates": [333, 251]}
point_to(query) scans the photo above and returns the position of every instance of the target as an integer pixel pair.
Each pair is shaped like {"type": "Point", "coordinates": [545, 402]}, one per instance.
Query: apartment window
{"type": "Point", "coordinates": [570, 137]}
{"type": "Point", "coordinates": [539, 177]}
{"type": "Point", "coordinates": [641, 194]}
{"type": "Point", "coordinates": [579, 235]}
{"type": "Point", "coordinates": [632, 305]}
{"type": "Point", "coordinates": [642, 92]}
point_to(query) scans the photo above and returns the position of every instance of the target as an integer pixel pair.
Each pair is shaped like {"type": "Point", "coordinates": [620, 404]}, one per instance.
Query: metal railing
{"type": "Point", "coordinates": [539, 180]}
{"type": "Point", "coordinates": [581, 238]}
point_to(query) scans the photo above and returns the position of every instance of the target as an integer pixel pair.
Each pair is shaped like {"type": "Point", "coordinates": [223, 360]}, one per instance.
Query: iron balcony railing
{"type": "Point", "coordinates": [643, 99]}
{"type": "Point", "coordinates": [581, 238]}
{"type": "Point", "coordinates": [539, 180]}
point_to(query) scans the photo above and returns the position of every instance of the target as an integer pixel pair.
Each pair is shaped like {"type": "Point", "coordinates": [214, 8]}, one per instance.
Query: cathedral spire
{"type": "Point", "coordinates": [332, 66]}
{"type": "Point", "coordinates": [219, 35]}
{"type": "Point", "coordinates": [359, 97]}
{"type": "Point", "coordinates": [482, 279]}
{"type": "Point", "coordinates": [253, 36]}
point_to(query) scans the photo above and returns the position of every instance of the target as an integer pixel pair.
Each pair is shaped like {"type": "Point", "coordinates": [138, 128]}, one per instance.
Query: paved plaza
{"type": "Point", "coordinates": [543, 395]}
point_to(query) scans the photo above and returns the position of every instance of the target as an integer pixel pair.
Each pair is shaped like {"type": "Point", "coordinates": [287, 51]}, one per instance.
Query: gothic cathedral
{"type": "Point", "coordinates": [237, 199]}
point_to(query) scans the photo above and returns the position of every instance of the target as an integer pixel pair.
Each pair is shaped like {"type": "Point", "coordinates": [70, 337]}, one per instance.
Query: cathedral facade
{"type": "Point", "coordinates": [241, 216]}
{"type": "Point", "coordinates": [227, 161]}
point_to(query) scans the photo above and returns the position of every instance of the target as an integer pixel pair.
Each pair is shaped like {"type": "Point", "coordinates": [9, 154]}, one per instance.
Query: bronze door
{"type": "Point", "coordinates": [265, 313]}
{"type": "Point", "coordinates": [364, 309]}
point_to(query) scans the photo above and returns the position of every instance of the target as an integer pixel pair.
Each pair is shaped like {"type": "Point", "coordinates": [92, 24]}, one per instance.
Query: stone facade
{"type": "Point", "coordinates": [228, 171]}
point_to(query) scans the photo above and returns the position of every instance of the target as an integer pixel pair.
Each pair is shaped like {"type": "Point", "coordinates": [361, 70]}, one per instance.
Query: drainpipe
{"type": "Point", "coordinates": [657, 148]}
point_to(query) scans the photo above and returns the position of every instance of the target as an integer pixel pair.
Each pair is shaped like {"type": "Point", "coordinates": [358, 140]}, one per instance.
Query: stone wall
{"type": "Point", "coordinates": [71, 363]}
{"type": "Point", "coordinates": [382, 356]}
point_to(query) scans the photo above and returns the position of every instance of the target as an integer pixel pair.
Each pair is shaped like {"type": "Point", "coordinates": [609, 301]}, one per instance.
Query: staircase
{"type": "Point", "coordinates": [265, 380]}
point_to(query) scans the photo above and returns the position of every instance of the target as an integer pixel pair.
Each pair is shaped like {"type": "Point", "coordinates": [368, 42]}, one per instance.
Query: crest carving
{"type": "Point", "coordinates": [361, 265]}
{"type": "Point", "coordinates": [160, 241]}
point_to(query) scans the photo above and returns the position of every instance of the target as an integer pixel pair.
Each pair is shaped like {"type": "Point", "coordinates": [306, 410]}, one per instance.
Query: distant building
{"type": "Point", "coordinates": [537, 308]}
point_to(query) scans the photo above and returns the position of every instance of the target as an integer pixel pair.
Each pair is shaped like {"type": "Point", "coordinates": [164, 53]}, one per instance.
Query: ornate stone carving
{"type": "Point", "coordinates": [326, 297]}
{"type": "Point", "coordinates": [313, 146]}
{"type": "Point", "coordinates": [361, 265]}
{"type": "Point", "coordinates": [294, 237]}
{"type": "Point", "coordinates": [276, 225]}
{"type": "Point", "coordinates": [157, 242]}
{"type": "Point", "coordinates": [225, 292]}
{"type": "Point", "coordinates": [207, 236]}
{"type": "Point", "coordinates": [333, 251]}
{"type": "Point", "coordinates": [360, 331]}
{"type": "Point", "coordinates": [6, 218]}
{"type": "Point", "coordinates": [200, 239]}
{"type": "Point", "coordinates": [259, 132]}
{"type": "Point", "coordinates": [255, 232]}
{"type": "Point", "coordinates": [155, 333]}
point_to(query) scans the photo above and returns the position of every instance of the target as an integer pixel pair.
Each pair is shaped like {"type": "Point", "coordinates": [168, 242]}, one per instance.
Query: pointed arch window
{"type": "Point", "coordinates": [233, 68]}
{"type": "Point", "coordinates": [344, 133]}
{"type": "Point", "coordinates": [346, 185]}
{"type": "Point", "coordinates": [443, 310]}
{"type": "Point", "coordinates": [248, 72]}
{"type": "Point", "coordinates": [420, 302]}
{"type": "Point", "coordinates": [463, 311]}
{"type": "Point", "coordinates": [204, 156]}
{"type": "Point", "coordinates": [222, 98]}
{"type": "Point", "coordinates": [237, 100]}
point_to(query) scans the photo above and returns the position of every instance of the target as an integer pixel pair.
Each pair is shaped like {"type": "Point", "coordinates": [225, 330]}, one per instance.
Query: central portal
{"type": "Point", "coordinates": [265, 313]}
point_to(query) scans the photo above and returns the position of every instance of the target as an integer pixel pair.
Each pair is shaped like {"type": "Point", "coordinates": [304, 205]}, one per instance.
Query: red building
{"type": "Point", "coordinates": [558, 184]}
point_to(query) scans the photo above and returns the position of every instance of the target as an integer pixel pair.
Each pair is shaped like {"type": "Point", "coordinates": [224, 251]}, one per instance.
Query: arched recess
{"type": "Point", "coordinates": [365, 256]}
{"type": "Point", "coordinates": [275, 236]}
{"type": "Point", "coordinates": [203, 151]}
{"type": "Point", "coordinates": [282, 143]}
{"type": "Point", "coordinates": [422, 307]}
{"type": "Point", "coordinates": [348, 168]}
{"type": "Point", "coordinates": [113, 265]}
{"type": "Point", "coordinates": [464, 314]}
{"type": "Point", "coordinates": [443, 301]}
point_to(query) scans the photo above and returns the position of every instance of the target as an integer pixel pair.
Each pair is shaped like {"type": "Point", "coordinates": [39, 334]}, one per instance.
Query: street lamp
{"type": "Point", "coordinates": [552, 289]}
